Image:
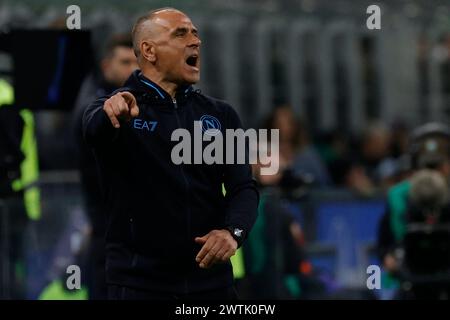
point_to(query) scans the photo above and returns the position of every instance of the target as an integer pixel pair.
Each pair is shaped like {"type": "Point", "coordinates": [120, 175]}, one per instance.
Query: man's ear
{"type": "Point", "coordinates": [148, 51]}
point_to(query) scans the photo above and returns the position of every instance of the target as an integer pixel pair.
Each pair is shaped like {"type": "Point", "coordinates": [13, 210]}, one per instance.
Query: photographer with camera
{"type": "Point", "coordinates": [414, 237]}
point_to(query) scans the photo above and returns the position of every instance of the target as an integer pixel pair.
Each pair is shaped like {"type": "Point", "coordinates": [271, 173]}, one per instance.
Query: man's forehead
{"type": "Point", "coordinates": [172, 19]}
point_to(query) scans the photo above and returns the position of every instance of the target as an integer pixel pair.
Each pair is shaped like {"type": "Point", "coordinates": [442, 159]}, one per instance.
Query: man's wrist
{"type": "Point", "coordinates": [237, 233]}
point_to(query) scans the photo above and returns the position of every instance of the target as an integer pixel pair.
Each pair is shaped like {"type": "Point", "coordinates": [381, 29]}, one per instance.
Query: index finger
{"type": "Point", "coordinates": [109, 112]}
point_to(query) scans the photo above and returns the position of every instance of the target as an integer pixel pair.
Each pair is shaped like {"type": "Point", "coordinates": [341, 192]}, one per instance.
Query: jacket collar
{"type": "Point", "coordinates": [139, 83]}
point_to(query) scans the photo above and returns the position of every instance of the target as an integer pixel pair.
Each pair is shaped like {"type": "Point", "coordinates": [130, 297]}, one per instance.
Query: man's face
{"type": "Point", "coordinates": [119, 66]}
{"type": "Point", "coordinates": [177, 48]}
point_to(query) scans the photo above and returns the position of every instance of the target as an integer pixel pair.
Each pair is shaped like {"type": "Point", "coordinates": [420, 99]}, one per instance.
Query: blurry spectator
{"type": "Point", "coordinates": [343, 164]}
{"type": "Point", "coordinates": [368, 164]}
{"type": "Point", "coordinates": [333, 146]}
{"type": "Point", "coordinates": [116, 66]}
{"type": "Point", "coordinates": [375, 149]}
{"type": "Point", "coordinates": [274, 253]}
{"type": "Point", "coordinates": [296, 152]}
{"type": "Point", "coordinates": [395, 167]}
{"type": "Point", "coordinates": [357, 180]}
{"type": "Point", "coordinates": [399, 139]}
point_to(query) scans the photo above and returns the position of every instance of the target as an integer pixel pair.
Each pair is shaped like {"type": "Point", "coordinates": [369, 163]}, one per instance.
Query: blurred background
{"type": "Point", "coordinates": [345, 98]}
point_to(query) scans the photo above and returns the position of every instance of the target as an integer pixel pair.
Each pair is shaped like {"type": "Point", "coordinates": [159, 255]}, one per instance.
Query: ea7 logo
{"type": "Point", "coordinates": [144, 125]}
{"type": "Point", "coordinates": [374, 280]}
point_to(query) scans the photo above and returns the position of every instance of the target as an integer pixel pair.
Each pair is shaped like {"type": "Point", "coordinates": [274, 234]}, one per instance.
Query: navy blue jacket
{"type": "Point", "coordinates": [156, 208]}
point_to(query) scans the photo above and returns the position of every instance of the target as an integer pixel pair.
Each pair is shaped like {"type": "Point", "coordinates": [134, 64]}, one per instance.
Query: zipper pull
{"type": "Point", "coordinates": [174, 103]}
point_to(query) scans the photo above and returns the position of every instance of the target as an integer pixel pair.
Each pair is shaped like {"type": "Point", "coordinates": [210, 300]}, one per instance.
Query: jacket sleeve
{"type": "Point", "coordinates": [97, 128]}
{"type": "Point", "coordinates": [242, 196]}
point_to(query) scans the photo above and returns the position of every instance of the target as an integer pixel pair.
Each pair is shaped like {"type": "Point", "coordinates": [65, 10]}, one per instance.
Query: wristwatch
{"type": "Point", "coordinates": [237, 233]}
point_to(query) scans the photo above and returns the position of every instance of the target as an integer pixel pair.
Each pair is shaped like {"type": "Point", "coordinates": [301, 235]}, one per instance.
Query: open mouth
{"type": "Point", "coordinates": [192, 60]}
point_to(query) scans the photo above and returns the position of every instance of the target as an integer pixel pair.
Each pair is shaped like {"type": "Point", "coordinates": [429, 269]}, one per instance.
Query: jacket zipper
{"type": "Point", "coordinates": [175, 105]}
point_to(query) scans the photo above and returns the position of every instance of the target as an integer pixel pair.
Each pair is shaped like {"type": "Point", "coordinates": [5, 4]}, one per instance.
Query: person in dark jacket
{"type": "Point", "coordinates": [170, 229]}
{"type": "Point", "coordinates": [117, 63]}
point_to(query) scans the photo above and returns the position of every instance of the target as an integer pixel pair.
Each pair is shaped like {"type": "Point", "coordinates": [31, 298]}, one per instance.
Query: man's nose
{"type": "Point", "coordinates": [195, 41]}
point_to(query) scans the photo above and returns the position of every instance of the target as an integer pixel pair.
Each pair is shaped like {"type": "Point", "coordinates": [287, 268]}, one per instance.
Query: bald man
{"type": "Point", "coordinates": [171, 231]}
